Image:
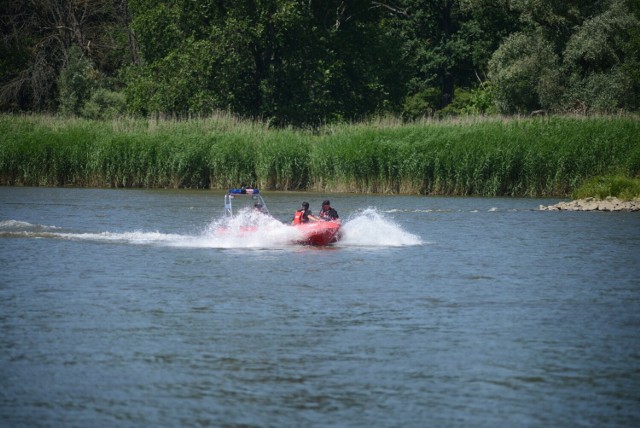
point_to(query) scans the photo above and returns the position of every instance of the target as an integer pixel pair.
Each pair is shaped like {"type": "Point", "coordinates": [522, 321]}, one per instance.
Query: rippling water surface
{"type": "Point", "coordinates": [131, 308]}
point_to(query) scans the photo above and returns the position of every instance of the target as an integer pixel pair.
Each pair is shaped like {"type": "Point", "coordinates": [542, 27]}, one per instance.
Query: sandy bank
{"type": "Point", "coordinates": [592, 204]}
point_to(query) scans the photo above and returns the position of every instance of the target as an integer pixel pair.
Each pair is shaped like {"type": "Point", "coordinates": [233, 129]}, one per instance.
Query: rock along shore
{"type": "Point", "coordinates": [592, 204]}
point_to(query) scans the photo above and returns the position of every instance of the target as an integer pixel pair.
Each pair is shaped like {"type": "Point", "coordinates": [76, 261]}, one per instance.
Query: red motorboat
{"type": "Point", "coordinates": [310, 233]}
{"type": "Point", "coordinates": [318, 232]}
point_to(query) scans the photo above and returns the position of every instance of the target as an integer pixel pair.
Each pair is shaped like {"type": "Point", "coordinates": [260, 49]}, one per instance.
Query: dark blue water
{"type": "Point", "coordinates": [127, 308]}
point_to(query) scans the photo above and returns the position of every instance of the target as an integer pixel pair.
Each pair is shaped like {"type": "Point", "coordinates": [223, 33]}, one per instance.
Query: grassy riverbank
{"type": "Point", "coordinates": [549, 156]}
{"type": "Point", "coordinates": [600, 188]}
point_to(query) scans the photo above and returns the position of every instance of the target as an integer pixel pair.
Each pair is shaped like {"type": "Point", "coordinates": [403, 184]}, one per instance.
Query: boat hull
{"type": "Point", "coordinates": [319, 232]}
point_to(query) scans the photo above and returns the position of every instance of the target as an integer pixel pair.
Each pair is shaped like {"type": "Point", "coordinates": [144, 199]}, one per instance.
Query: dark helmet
{"type": "Point", "coordinates": [305, 205]}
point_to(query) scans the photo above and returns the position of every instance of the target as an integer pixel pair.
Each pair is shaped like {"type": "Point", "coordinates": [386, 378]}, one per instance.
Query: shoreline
{"type": "Point", "coordinates": [592, 204]}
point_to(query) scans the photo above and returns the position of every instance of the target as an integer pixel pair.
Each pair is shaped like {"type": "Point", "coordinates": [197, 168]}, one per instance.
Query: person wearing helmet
{"type": "Point", "coordinates": [327, 213]}
{"type": "Point", "coordinates": [303, 215]}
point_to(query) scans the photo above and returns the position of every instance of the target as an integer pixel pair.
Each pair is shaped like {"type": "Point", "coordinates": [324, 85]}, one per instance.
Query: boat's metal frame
{"type": "Point", "coordinates": [232, 194]}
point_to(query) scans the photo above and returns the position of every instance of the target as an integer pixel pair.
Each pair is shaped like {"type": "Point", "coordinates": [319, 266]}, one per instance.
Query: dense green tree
{"type": "Point", "coordinates": [579, 56]}
{"type": "Point", "coordinates": [600, 62]}
{"type": "Point", "coordinates": [523, 71]}
{"type": "Point", "coordinates": [313, 61]}
{"type": "Point", "coordinates": [555, 20]}
{"type": "Point", "coordinates": [282, 60]}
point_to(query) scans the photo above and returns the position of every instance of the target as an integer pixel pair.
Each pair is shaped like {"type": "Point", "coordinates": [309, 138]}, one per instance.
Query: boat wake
{"type": "Point", "coordinates": [21, 229]}
{"type": "Point", "coordinates": [249, 229]}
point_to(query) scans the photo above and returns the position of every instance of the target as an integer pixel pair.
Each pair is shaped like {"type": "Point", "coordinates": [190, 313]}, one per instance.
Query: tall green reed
{"type": "Point", "coordinates": [487, 157]}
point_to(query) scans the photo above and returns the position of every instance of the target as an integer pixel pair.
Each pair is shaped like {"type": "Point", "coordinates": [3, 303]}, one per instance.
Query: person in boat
{"type": "Point", "coordinates": [259, 207]}
{"type": "Point", "coordinates": [303, 215]}
{"type": "Point", "coordinates": [327, 213]}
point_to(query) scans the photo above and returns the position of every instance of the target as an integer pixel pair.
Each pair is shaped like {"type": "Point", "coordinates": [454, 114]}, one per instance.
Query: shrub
{"type": "Point", "coordinates": [474, 101]}
{"type": "Point", "coordinates": [105, 104]}
{"type": "Point", "coordinates": [421, 104]}
{"type": "Point", "coordinates": [601, 187]}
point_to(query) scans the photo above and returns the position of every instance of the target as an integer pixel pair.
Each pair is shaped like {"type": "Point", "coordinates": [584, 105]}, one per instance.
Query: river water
{"type": "Point", "coordinates": [129, 308]}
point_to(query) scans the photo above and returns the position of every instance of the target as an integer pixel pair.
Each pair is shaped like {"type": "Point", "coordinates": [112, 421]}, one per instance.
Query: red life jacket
{"type": "Point", "coordinates": [297, 218]}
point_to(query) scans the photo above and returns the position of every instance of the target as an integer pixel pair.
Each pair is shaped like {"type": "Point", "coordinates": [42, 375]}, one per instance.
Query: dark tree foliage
{"type": "Point", "coordinates": [306, 62]}
{"type": "Point", "coordinates": [289, 62]}
{"type": "Point", "coordinates": [572, 56]}
{"type": "Point", "coordinates": [446, 44]}
{"type": "Point", "coordinates": [37, 36]}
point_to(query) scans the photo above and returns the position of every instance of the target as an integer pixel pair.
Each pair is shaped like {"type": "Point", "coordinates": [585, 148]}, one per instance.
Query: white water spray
{"type": "Point", "coordinates": [370, 228]}
{"type": "Point", "coordinates": [248, 229]}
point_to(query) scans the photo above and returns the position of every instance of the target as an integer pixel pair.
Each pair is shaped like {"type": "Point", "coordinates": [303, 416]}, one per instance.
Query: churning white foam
{"type": "Point", "coordinates": [371, 228]}
{"type": "Point", "coordinates": [248, 229]}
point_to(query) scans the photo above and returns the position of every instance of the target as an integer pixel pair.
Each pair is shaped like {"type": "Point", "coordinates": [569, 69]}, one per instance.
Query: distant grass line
{"type": "Point", "coordinates": [549, 156]}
